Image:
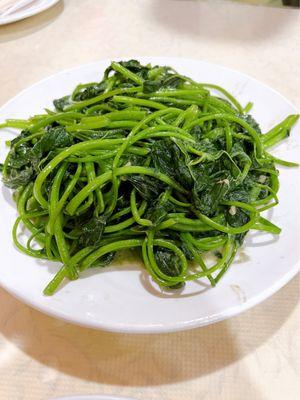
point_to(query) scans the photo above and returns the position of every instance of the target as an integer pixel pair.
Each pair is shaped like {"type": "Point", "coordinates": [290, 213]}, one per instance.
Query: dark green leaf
{"type": "Point", "coordinates": [168, 159]}
{"type": "Point", "coordinates": [151, 86]}
{"type": "Point", "coordinates": [54, 138]}
{"type": "Point", "coordinates": [237, 218]}
{"type": "Point", "coordinates": [251, 121]}
{"type": "Point", "coordinates": [168, 81]}
{"type": "Point", "coordinates": [167, 262]}
{"type": "Point", "coordinates": [19, 178]}
{"type": "Point", "coordinates": [132, 65]}
{"type": "Point", "coordinates": [62, 103]}
{"type": "Point", "coordinates": [92, 232]}
{"type": "Point", "coordinates": [148, 187]}
{"type": "Point", "coordinates": [91, 91]}
{"type": "Point", "coordinates": [22, 135]}
{"type": "Point", "coordinates": [19, 156]}
{"type": "Point", "coordinates": [209, 198]}
{"type": "Point", "coordinates": [157, 213]}
{"type": "Point", "coordinates": [104, 260]}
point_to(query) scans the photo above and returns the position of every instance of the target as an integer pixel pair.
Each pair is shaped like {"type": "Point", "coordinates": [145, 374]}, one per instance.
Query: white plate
{"type": "Point", "coordinates": [25, 12]}
{"type": "Point", "coordinates": [123, 298]}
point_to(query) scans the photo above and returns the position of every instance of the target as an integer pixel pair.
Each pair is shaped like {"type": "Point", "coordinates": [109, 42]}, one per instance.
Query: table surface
{"type": "Point", "coordinates": [253, 356]}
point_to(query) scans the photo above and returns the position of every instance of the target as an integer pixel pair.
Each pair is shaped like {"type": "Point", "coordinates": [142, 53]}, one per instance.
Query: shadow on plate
{"type": "Point", "coordinates": [145, 279]}
{"type": "Point", "coordinates": [8, 196]}
{"type": "Point", "coordinates": [32, 24]}
{"type": "Point", "coordinates": [166, 293]}
{"type": "Point", "coordinates": [143, 360]}
{"type": "Point", "coordinates": [222, 21]}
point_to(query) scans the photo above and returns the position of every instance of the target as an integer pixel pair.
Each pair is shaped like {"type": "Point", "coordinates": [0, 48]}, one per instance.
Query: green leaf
{"type": "Point", "coordinates": [92, 232]}
{"type": "Point", "coordinates": [209, 198]}
{"type": "Point", "coordinates": [91, 91]}
{"type": "Point", "coordinates": [251, 121]}
{"type": "Point", "coordinates": [19, 178]}
{"type": "Point", "coordinates": [104, 260]}
{"type": "Point", "coordinates": [148, 187]}
{"type": "Point", "coordinates": [54, 138]}
{"type": "Point", "coordinates": [62, 103]}
{"type": "Point", "coordinates": [167, 262]}
{"type": "Point", "coordinates": [19, 156]}
{"type": "Point", "coordinates": [168, 159]}
{"type": "Point", "coordinates": [157, 212]}
{"type": "Point", "coordinates": [168, 81]}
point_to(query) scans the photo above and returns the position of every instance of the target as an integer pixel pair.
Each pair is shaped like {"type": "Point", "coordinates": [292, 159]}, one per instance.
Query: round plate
{"type": "Point", "coordinates": [25, 12]}
{"type": "Point", "coordinates": [122, 297]}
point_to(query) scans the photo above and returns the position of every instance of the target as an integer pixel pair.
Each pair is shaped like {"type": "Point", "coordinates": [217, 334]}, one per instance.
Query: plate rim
{"type": "Point", "coordinates": [177, 326]}
{"type": "Point", "coordinates": [18, 16]}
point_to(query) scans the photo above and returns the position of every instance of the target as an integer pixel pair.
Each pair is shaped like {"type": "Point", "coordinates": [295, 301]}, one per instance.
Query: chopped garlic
{"type": "Point", "coordinates": [225, 181]}
{"type": "Point", "coordinates": [262, 179]}
{"type": "Point", "coordinates": [232, 210]}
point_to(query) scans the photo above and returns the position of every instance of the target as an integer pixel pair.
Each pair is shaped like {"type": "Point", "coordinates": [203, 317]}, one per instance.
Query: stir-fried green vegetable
{"type": "Point", "coordinates": [147, 159]}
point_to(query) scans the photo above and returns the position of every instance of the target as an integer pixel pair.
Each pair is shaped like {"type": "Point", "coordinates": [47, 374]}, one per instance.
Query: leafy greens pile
{"type": "Point", "coordinates": [147, 159]}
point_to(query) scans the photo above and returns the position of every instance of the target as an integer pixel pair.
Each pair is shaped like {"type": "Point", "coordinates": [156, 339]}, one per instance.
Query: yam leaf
{"type": "Point", "coordinates": [92, 232]}
{"type": "Point", "coordinates": [167, 262]}
{"type": "Point", "coordinates": [168, 159]}
{"type": "Point", "coordinates": [148, 187]}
